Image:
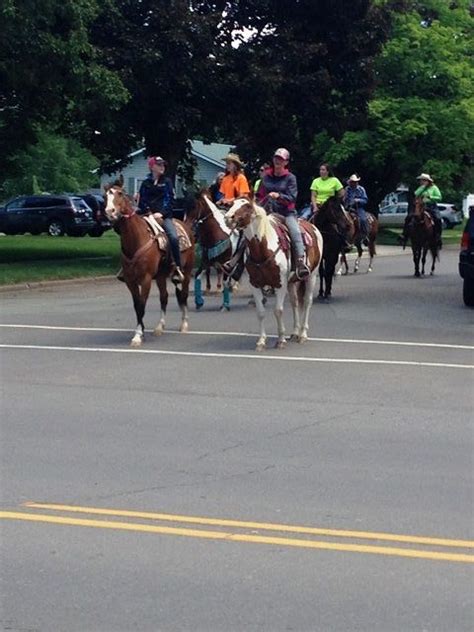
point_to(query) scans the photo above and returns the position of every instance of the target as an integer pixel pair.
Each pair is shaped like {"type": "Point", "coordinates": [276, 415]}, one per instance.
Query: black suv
{"type": "Point", "coordinates": [52, 214]}
{"type": "Point", "coordinates": [97, 204]}
{"type": "Point", "coordinates": [466, 260]}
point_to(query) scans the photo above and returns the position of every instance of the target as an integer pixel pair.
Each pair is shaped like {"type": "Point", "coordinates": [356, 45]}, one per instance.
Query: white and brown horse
{"type": "Point", "coordinates": [269, 265]}
{"type": "Point", "coordinates": [143, 259]}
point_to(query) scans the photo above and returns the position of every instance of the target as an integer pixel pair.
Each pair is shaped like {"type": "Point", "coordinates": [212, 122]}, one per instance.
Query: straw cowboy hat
{"type": "Point", "coordinates": [354, 178]}
{"type": "Point", "coordinates": [234, 158]}
{"type": "Point", "coordinates": [425, 176]}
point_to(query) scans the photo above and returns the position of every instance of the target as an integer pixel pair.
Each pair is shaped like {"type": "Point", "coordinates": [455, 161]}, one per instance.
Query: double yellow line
{"type": "Point", "coordinates": [250, 532]}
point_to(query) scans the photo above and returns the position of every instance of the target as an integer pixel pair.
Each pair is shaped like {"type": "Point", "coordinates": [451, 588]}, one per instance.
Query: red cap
{"type": "Point", "coordinates": [155, 160]}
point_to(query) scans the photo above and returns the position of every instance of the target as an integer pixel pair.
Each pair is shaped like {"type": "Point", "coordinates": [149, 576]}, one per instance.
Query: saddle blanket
{"type": "Point", "coordinates": [159, 233]}
{"type": "Point", "coordinates": [284, 235]}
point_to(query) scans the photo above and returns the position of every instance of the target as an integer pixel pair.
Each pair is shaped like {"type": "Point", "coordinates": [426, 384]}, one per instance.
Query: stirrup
{"type": "Point", "coordinates": [177, 277]}
{"type": "Point", "coordinates": [302, 271]}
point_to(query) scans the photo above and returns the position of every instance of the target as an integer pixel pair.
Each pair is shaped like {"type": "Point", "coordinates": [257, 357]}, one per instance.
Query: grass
{"type": "Point", "coordinates": [28, 258]}
{"type": "Point", "coordinates": [389, 236]}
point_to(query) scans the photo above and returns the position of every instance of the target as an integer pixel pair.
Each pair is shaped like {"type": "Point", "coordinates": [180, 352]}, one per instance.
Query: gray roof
{"type": "Point", "coordinates": [212, 152]}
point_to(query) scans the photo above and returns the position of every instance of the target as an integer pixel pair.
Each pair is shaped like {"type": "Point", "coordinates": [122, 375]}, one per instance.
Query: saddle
{"type": "Point", "coordinates": [284, 236]}
{"type": "Point", "coordinates": [156, 227]}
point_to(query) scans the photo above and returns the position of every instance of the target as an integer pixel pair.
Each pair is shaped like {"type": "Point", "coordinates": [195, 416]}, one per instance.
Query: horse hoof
{"type": "Point", "coordinates": [339, 273]}
{"type": "Point", "coordinates": [369, 270]}
{"type": "Point", "coordinates": [158, 331]}
{"type": "Point", "coordinates": [417, 274]}
{"type": "Point", "coordinates": [136, 342]}
{"type": "Point", "coordinates": [280, 344]}
{"type": "Point", "coordinates": [198, 307]}
{"type": "Point", "coordinates": [294, 338]}
{"type": "Point", "coordinates": [260, 346]}
{"type": "Point", "coordinates": [184, 328]}
{"type": "Point", "coordinates": [224, 308]}
{"type": "Point", "coordinates": [302, 339]}
{"type": "Point", "coordinates": [431, 273]}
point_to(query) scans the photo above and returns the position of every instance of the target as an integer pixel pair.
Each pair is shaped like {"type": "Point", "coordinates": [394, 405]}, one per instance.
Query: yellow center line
{"type": "Point", "coordinates": [262, 526]}
{"type": "Point", "coordinates": [239, 537]}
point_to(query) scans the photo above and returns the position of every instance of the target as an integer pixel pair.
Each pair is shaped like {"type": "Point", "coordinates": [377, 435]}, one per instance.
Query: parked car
{"type": "Point", "coordinates": [393, 215]}
{"type": "Point", "coordinates": [466, 260]}
{"type": "Point", "coordinates": [52, 214]}
{"type": "Point", "coordinates": [97, 204]}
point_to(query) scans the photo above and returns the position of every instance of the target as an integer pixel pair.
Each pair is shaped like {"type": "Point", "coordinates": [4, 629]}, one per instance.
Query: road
{"type": "Point", "coordinates": [197, 485]}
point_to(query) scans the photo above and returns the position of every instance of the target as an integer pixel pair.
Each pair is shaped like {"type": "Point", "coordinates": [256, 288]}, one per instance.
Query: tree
{"type": "Point", "coordinates": [53, 164]}
{"type": "Point", "coordinates": [422, 115]}
{"type": "Point", "coordinates": [50, 75]}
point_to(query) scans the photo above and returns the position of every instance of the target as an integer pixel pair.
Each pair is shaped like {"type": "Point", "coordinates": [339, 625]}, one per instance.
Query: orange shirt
{"type": "Point", "coordinates": [234, 186]}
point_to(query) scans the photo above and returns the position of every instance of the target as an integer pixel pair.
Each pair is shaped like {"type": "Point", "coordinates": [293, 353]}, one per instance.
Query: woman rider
{"type": "Point", "coordinates": [156, 195]}
{"type": "Point", "coordinates": [234, 184]}
{"type": "Point", "coordinates": [325, 187]}
{"type": "Point", "coordinates": [277, 192]}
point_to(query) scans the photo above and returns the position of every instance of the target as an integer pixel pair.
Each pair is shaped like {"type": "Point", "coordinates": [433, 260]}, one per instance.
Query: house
{"type": "Point", "coordinates": [208, 157]}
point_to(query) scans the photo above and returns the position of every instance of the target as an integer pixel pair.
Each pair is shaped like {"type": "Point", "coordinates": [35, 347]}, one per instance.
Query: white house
{"type": "Point", "coordinates": [208, 156]}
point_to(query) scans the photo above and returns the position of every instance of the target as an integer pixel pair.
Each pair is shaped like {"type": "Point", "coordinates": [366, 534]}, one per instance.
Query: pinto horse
{"type": "Point", "coordinates": [269, 265]}
{"type": "Point", "coordinates": [143, 260]}
{"type": "Point", "coordinates": [373, 226]}
{"type": "Point", "coordinates": [218, 245]}
{"type": "Point", "coordinates": [335, 225]}
{"type": "Point", "coordinates": [421, 232]}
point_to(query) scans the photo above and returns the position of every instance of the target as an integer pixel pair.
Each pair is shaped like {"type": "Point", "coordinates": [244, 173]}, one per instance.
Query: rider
{"type": "Point", "coordinates": [431, 195]}
{"type": "Point", "coordinates": [277, 192]}
{"type": "Point", "coordinates": [215, 187]}
{"type": "Point", "coordinates": [324, 187]}
{"type": "Point", "coordinates": [261, 171]}
{"type": "Point", "coordinates": [156, 195]}
{"type": "Point", "coordinates": [234, 184]}
{"type": "Point", "coordinates": [355, 200]}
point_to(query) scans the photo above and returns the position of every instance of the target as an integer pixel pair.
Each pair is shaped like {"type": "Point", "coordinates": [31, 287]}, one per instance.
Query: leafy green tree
{"type": "Point", "coordinates": [53, 164]}
{"type": "Point", "coordinates": [422, 115]}
{"type": "Point", "coordinates": [50, 75]}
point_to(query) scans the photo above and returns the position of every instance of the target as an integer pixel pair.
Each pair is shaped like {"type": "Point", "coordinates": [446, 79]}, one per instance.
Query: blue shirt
{"type": "Point", "coordinates": [355, 193]}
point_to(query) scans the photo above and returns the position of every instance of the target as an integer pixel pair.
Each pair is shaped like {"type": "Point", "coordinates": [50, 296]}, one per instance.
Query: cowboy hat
{"type": "Point", "coordinates": [234, 158]}
{"type": "Point", "coordinates": [425, 176]}
{"type": "Point", "coordinates": [282, 153]}
{"type": "Point", "coordinates": [354, 178]}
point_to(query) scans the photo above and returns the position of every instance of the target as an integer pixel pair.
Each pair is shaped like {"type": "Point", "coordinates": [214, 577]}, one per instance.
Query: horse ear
{"type": "Point", "coordinates": [120, 180]}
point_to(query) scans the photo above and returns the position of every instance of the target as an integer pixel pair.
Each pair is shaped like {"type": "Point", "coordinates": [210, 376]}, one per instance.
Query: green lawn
{"type": "Point", "coordinates": [389, 236]}
{"type": "Point", "coordinates": [28, 258]}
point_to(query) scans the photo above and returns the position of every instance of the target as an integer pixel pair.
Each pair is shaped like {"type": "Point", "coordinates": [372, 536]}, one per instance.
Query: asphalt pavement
{"type": "Point", "coordinates": [194, 484]}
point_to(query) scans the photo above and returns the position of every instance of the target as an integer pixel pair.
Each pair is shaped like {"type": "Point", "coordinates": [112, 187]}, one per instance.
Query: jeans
{"type": "Point", "coordinates": [295, 234]}
{"type": "Point", "coordinates": [170, 230]}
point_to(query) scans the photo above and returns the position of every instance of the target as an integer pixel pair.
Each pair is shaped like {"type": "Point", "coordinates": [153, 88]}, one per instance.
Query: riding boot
{"type": "Point", "coordinates": [120, 276]}
{"type": "Point", "coordinates": [302, 270]}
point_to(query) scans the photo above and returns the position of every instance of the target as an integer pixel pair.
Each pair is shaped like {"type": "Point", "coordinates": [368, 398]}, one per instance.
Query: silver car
{"type": "Point", "coordinates": [393, 215]}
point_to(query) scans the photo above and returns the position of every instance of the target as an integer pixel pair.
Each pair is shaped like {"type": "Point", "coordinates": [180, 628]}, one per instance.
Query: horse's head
{"type": "Point", "coordinates": [240, 214]}
{"type": "Point", "coordinates": [419, 208]}
{"type": "Point", "coordinates": [117, 202]}
{"type": "Point", "coordinates": [332, 212]}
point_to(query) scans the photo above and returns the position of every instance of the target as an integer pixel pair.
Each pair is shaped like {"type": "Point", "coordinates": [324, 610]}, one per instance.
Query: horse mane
{"type": "Point", "coordinates": [264, 222]}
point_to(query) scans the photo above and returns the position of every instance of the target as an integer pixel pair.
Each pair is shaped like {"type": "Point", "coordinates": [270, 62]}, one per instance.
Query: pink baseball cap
{"type": "Point", "coordinates": [282, 153]}
{"type": "Point", "coordinates": [155, 160]}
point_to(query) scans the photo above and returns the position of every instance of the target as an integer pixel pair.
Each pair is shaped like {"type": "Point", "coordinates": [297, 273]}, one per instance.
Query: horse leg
{"type": "Point", "coordinates": [329, 274]}
{"type": "Point", "coordinates": [278, 311]}
{"type": "Point", "coordinates": [343, 264]}
{"type": "Point", "coordinates": [423, 260]}
{"type": "Point", "coordinates": [321, 278]}
{"type": "Point", "coordinates": [358, 258]}
{"type": "Point", "coordinates": [182, 298]}
{"type": "Point", "coordinates": [293, 294]}
{"type": "Point", "coordinates": [226, 294]}
{"type": "Point", "coordinates": [371, 254]}
{"type": "Point", "coordinates": [198, 298]}
{"type": "Point", "coordinates": [416, 260]}
{"type": "Point", "coordinates": [307, 297]}
{"type": "Point", "coordinates": [219, 279]}
{"type": "Point", "coordinates": [140, 296]}
{"type": "Point", "coordinates": [208, 279]}
{"type": "Point", "coordinates": [260, 307]}
{"type": "Point", "coordinates": [163, 290]}
{"type": "Point", "coordinates": [434, 254]}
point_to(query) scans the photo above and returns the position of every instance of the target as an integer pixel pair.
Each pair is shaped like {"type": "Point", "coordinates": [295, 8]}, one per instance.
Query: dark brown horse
{"type": "Point", "coordinates": [144, 258]}
{"type": "Point", "coordinates": [422, 235]}
{"type": "Point", "coordinates": [373, 229]}
{"type": "Point", "coordinates": [336, 227]}
{"type": "Point", "coordinates": [218, 245]}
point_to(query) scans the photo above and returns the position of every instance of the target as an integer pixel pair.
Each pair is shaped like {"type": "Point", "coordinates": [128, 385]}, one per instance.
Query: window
{"type": "Point", "coordinates": [15, 205]}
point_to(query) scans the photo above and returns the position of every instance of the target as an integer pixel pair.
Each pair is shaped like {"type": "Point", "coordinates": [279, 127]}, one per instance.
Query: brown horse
{"type": "Point", "coordinates": [269, 264]}
{"type": "Point", "coordinates": [336, 227]}
{"type": "Point", "coordinates": [422, 235]}
{"type": "Point", "coordinates": [145, 257]}
{"type": "Point", "coordinates": [373, 226]}
{"type": "Point", "coordinates": [218, 246]}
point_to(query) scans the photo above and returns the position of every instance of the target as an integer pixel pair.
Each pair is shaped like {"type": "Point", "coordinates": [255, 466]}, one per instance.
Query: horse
{"type": "Point", "coordinates": [422, 235]}
{"type": "Point", "coordinates": [269, 265]}
{"type": "Point", "coordinates": [336, 225]}
{"type": "Point", "coordinates": [145, 257]}
{"type": "Point", "coordinates": [373, 226]}
{"type": "Point", "coordinates": [218, 246]}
